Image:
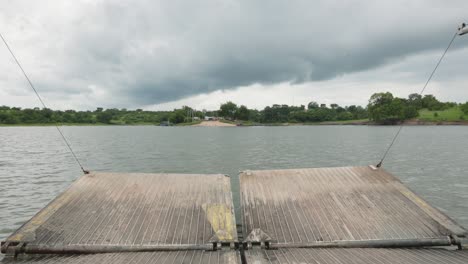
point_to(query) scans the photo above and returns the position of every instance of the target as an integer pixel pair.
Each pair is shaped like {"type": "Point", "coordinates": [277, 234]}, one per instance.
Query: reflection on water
{"type": "Point", "coordinates": [35, 165]}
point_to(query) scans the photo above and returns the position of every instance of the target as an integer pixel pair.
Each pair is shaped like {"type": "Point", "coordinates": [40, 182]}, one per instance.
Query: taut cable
{"type": "Point", "coordinates": [43, 104]}
{"type": "Point", "coordinates": [420, 93]}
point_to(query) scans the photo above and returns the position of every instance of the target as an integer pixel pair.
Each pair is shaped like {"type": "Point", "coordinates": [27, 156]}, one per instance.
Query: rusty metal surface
{"type": "Point", "coordinates": [301, 206]}
{"type": "Point", "coordinates": [136, 209]}
{"type": "Point", "coordinates": [356, 256]}
{"type": "Point", "coordinates": [186, 257]}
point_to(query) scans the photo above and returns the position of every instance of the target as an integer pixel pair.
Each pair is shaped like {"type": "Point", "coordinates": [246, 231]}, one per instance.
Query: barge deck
{"type": "Point", "coordinates": [322, 215]}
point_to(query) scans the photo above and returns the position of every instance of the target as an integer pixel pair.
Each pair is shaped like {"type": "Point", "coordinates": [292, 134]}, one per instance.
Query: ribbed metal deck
{"type": "Point", "coordinates": [356, 256]}
{"type": "Point", "coordinates": [178, 257]}
{"type": "Point", "coordinates": [326, 215]}
{"type": "Point", "coordinates": [350, 206]}
{"type": "Point", "coordinates": [103, 210]}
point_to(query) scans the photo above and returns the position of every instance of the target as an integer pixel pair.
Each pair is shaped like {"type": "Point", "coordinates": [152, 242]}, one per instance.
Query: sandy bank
{"type": "Point", "coordinates": [214, 124]}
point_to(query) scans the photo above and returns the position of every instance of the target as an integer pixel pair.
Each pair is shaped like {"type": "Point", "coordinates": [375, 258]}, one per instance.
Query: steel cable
{"type": "Point", "coordinates": [420, 93]}
{"type": "Point", "coordinates": [44, 105]}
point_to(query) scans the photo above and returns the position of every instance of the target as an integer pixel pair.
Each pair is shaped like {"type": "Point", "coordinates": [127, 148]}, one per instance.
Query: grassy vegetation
{"type": "Point", "coordinates": [53, 124]}
{"type": "Point", "coordinates": [77, 124]}
{"type": "Point", "coordinates": [450, 115]}
{"type": "Point", "coordinates": [343, 122]}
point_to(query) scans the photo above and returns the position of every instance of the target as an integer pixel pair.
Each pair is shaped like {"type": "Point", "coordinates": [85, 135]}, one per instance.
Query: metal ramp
{"type": "Point", "coordinates": [356, 256]}
{"type": "Point", "coordinates": [326, 215]}
{"type": "Point", "coordinates": [111, 212]}
{"type": "Point", "coordinates": [342, 215]}
{"type": "Point", "coordinates": [339, 207]}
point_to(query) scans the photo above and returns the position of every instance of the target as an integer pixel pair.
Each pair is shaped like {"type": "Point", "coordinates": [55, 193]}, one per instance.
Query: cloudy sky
{"type": "Point", "coordinates": [165, 54]}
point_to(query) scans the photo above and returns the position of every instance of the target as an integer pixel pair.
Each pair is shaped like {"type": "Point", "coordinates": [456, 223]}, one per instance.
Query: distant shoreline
{"type": "Point", "coordinates": [225, 123]}
{"type": "Point", "coordinates": [414, 122]}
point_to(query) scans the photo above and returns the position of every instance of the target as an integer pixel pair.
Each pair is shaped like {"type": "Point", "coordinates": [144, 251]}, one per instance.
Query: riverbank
{"type": "Point", "coordinates": [225, 123]}
{"type": "Point", "coordinates": [360, 122]}
{"type": "Point", "coordinates": [435, 123]}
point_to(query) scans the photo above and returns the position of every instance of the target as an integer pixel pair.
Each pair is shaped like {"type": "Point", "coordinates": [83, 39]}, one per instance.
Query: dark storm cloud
{"type": "Point", "coordinates": [148, 52]}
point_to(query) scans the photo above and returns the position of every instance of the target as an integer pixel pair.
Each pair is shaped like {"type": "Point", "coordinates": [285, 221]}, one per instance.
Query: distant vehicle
{"type": "Point", "coordinates": [210, 118]}
{"type": "Point", "coordinates": [165, 123]}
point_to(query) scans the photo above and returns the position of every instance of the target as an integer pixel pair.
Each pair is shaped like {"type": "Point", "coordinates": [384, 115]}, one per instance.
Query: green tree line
{"type": "Point", "coordinates": [293, 114]}
{"type": "Point", "coordinates": [383, 108]}
{"type": "Point", "coordinates": [16, 115]}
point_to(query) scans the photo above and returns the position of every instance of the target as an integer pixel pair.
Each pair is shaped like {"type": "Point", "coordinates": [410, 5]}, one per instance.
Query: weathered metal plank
{"type": "Point", "coordinates": [185, 257]}
{"type": "Point", "coordinates": [308, 206]}
{"type": "Point", "coordinates": [356, 256]}
{"type": "Point", "coordinates": [102, 209]}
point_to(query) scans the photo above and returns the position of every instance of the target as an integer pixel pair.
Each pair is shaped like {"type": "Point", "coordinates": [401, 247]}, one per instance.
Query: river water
{"type": "Point", "coordinates": [35, 165]}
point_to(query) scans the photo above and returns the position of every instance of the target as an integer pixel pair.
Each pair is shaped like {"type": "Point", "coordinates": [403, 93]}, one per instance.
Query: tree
{"type": "Point", "coordinates": [242, 113]}
{"type": "Point", "coordinates": [345, 116]}
{"type": "Point", "coordinates": [358, 112]}
{"type": "Point", "coordinates": [318, 115]}
{"type": "Point", "coordinates": [11, 119]}
{"type": "Point", "coordinates": [104, 117]}
{"type": "Point", "coordinates": [255, 115]}
{"type": "Point", "coordinates": [312, 105]}
{"type": "Point", "coordinates": [299, 116]}
{"type": "Point", "coordinates": [228, 110]}
{"type": "Point", "coordinates": [430, 102]}
{"type": "Point", "coordinates": [339, 109]}
{"type": "Point", "coordinates": [333, 106]}
{"type": "Point", "coordinates": [351, 108]}
{"type": "Point", "coordinates": [384, 108]}
{"type": "Point", "coordinates": [47, 115]}
{"type": "Point", "coordinates": [410, 111]}
{"type": "Point", "coordinates": [415, 100]}
{"type": "Point", "coordinates": [178, 116]}
{"type": "Point", "coordinates": [380, 99]}
{"type": "Point", "coordinates": [381, 109]}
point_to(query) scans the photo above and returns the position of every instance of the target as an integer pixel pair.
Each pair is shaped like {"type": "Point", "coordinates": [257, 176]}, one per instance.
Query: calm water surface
{"type": "Point", "coordinates": [35, 165]}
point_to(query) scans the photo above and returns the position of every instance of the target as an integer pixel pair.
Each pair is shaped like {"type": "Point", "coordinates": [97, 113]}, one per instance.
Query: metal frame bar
{"type": "Point", "coordinates": [94, 249]}
{"type": "Point", "coordinates": [378, 243]}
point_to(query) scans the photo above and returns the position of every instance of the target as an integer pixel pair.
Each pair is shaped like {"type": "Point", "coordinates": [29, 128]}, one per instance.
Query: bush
{"type": "Point", "coordinates": [464, 108]}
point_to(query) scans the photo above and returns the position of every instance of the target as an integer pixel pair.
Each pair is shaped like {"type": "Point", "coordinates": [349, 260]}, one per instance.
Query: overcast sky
{"type": "Point", "coordinates": [165, 54]}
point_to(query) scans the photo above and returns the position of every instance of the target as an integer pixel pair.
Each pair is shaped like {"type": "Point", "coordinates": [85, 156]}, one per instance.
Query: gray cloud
{"type": "Point", "coordinates": [146, 52]}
